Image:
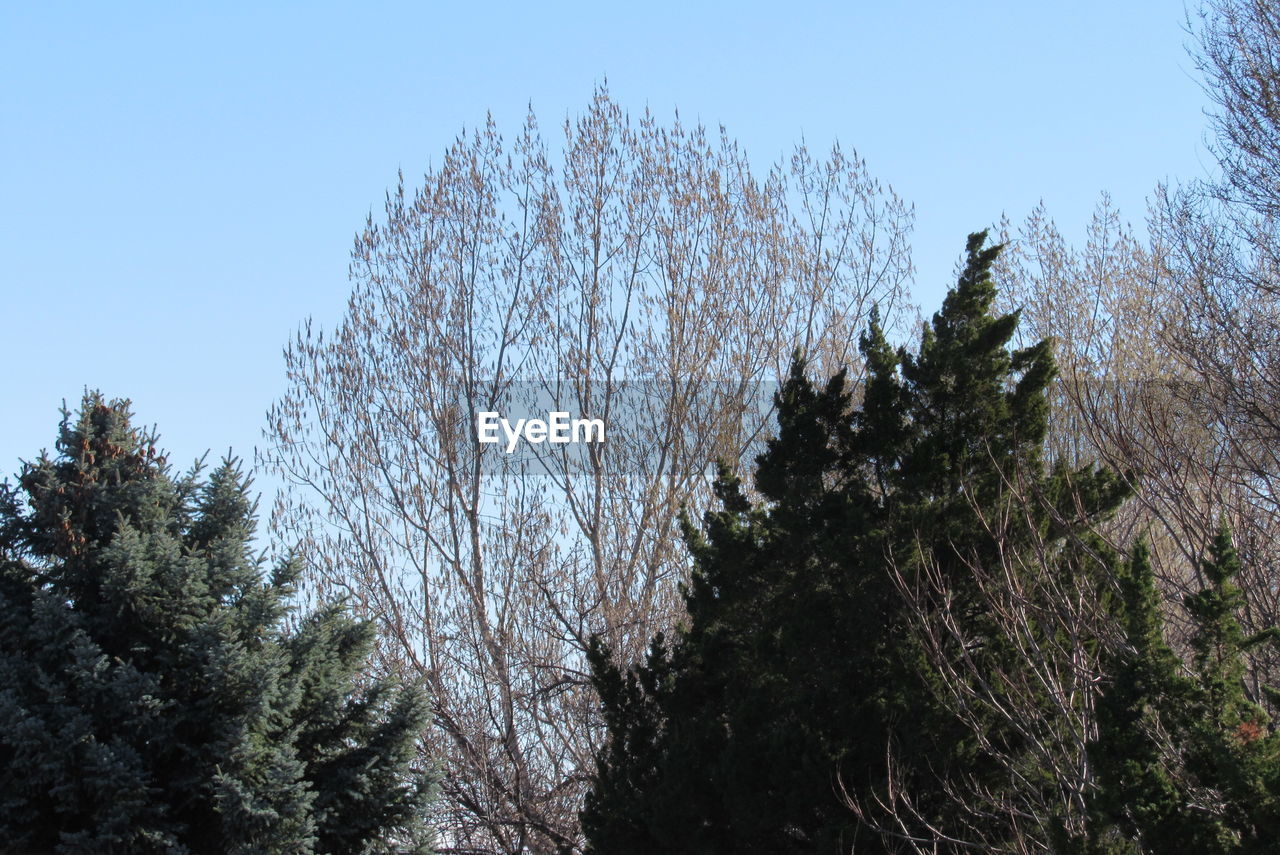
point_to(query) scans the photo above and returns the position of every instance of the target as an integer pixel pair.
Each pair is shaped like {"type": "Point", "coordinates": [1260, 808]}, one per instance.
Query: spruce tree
{"type": "Point", "coordinates": [154, 698]}
{"type": "Point", "coordinates": [796, 671]}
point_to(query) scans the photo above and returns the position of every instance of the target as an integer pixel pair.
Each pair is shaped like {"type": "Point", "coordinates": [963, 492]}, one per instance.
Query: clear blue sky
{"type": "Point", "coordinates": [179, 187]}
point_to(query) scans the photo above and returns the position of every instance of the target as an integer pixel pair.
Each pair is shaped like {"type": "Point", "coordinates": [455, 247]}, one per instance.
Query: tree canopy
{"type": "Point", "coordinates": [159, 692]}
{"type": "Point", "coordinates": [765, 723]}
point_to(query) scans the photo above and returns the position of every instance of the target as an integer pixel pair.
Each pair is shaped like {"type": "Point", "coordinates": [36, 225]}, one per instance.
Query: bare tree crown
{"type": "Point", "coordinates": [645, 275]}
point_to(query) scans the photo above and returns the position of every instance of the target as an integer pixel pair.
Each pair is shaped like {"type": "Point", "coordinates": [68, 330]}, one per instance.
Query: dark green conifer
{"type": "Point", "coordinates": [1139, 796]}
{"type": "Point", "coordinates": [153, 699]}
{"type": "Point", "coordinates": [1185, 759]}
{"type": "Point", "coordinates": [796, 671]}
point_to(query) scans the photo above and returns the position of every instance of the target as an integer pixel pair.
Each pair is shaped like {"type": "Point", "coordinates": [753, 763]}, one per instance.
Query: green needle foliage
{"type": "Point", "coordinates": [1186, 761]}
{"type": "Point", "coordinates": [799, 670]}
{"type": "Point", "coordinates": [1138, 789]}
{"type": "Point", "coordinates": [152, 695]}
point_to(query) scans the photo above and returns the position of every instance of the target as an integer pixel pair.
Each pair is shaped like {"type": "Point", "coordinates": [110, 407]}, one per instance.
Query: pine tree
{"type": "Point", "coordinates": [796, 670]}
{"type": "Point", "coordinates": [153, 698]}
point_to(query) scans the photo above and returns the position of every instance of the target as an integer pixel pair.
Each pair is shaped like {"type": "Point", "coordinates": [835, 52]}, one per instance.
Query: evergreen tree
{"type": "Point", "coordinates": [797, 670]}
{"type": "Point", "coordinates": [153, 698]}
{"type": "Point", "coordinates": [1139, 795]}
{"type": "Point", "coordinates": [1185, 759]}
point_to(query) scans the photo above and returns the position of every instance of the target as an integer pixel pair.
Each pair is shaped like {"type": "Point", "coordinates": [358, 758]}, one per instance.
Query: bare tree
{"type": "Point", "coordinates": [1019, 666]}
{"type": "Point", "coordinates": [1105, 307]}
{"type": "Point", "coordinates": [1168, 345]}
{"type": "Point", "coordinates": [650, 279]}
{"type": "Point", "coordinates": [1171, 345]}
{"type": "Point", "coordinates": [1169, 350]}
{"type": "Point", "coordinates": [1236, 52]}
{"type": "Point", "coordinates": [1163, 382]}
